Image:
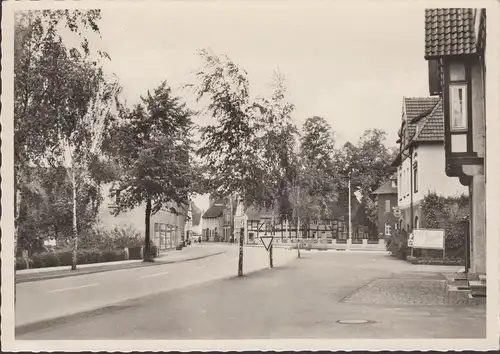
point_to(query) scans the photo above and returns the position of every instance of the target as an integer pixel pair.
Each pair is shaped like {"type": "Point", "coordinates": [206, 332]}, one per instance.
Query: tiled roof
{"type": "Point", "coordinates": [449, 32]}
{"type": "Point", "coordinates": [255, 214]}
{"type": "Point", "coordinates": [386, 188]}
{"type": "Point", "coordinates": [214, 211]}
{"type": "Point", "coordinates": [414, 108]}
{"type": "Point", "coordinates": [431, 127]}
{"type": "Point", "coordinates": [196, 214]}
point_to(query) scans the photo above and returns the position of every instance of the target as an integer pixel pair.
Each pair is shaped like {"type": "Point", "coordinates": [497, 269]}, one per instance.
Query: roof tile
{"type": "Point", "coordinates": [449, 32]}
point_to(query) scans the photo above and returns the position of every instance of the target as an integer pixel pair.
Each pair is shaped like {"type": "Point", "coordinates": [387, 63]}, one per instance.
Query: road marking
{"type": "Point", "coordinates": [73, 288]}
{"type": "Point", "coordinates": [201, 266]}
{"type": "Point", "coordinates": [154, 275]}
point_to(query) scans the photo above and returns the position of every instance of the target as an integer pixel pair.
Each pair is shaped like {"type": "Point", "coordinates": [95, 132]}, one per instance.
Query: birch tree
{"type": "Point", "coordinates": [41, 97]}
{"type": "Point", "coordinates": [80, 139]}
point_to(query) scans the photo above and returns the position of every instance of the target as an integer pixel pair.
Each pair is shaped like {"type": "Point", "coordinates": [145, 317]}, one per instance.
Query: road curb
{"type": "Point", "coordinates": [109, 269]}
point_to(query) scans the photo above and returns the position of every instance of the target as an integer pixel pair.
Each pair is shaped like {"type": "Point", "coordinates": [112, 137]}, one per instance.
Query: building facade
{"type": "Point", "coordinates": [421, 159]}
{"type": "Point", "coordinates": [387, 201]}
{"type": "Point", "coordinates": [455, 47]}
{"type": "Point", "coordinates": [213, 221]}
{"type": "Point", "coordinates": [167, 229]}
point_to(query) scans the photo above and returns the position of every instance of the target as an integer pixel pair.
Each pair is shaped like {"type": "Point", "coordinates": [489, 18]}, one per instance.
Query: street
{"type": "Point", "coordinates": [299, 298]}
{"type": "Point", "coordinates": [75, 294]}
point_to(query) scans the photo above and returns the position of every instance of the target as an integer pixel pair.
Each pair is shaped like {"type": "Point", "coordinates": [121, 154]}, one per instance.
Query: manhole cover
{"type": "Point", "coordinates": [354, 321]}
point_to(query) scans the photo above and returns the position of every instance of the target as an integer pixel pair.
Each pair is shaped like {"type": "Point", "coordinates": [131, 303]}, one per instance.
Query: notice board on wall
{"type": "Point", "coordinates": [428, 239]}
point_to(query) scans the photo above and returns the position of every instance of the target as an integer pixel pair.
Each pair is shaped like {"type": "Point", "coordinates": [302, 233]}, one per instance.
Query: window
{"type": "Point", "coordinates": [415, 177]}
{"type": "Point", "coordinates": [416, 222]}
{"type": "Point", "coordinates": [408, 180]}
{"type": "Point", "coordinates": [388, 206]}
{"type": "Point", "coordinates": [400, 184]}
{"type": "Point", "coordinates": [387, 229]}
{"type": "Point", "coordinates": [458, 107]}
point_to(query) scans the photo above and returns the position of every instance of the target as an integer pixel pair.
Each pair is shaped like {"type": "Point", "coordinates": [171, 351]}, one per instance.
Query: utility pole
{"type": "Point", "coordinates": [350, 221]}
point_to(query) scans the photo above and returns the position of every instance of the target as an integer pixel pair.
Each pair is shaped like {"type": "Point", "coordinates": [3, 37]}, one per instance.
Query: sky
{"type": "Point", "coordinates": [350, 65]}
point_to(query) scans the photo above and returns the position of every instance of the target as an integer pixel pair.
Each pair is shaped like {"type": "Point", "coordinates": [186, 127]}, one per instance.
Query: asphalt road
{"type": "Point", "coordinates": [48, 299]}
{"type": "Point", "coordinates": [300, 299]}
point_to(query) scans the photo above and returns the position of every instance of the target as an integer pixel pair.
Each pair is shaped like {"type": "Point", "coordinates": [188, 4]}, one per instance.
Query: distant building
{"type": "Point", "coordinates": [421, 159]}
{"type": "Point", "coordinates": [213, 221]}
{"type": "Point", "coordinates": [193, 222]}
{"type": "Point", "coordinates": [387, 200]}
{"type": "Point", "coordinates": [167, 229]}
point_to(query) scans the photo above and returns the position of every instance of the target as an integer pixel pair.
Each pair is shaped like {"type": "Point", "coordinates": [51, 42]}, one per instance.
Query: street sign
{"type": "Point", "coordinates": [267, 241]}
{"type": "Point", "coordinates": [396, 212]}
{"type": "Point", "coordinates": [410, 240]}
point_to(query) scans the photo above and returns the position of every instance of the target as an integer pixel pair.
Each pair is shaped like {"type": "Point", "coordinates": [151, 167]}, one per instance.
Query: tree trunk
{"type": "Point", "coordinates": [148, 257]}
{"type": "Point", "coordinates": [298, 233]}
{"type": "Point", "coordinates": [74, 258]}
{"type": "Point", "coordinates": [240, 256]}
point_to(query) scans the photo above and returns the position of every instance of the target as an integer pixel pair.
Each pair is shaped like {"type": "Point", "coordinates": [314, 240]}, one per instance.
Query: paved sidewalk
{"type": "Point", "coordinates": [172, 256]}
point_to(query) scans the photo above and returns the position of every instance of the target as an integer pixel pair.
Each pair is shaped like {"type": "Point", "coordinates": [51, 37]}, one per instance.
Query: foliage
{"type": "Point", "coordinates": [436, 261]}
{"type": "Point", "coordinates": [367, 165]}
{"type": "Point", "coordinates": [315, 189]}
{"type": "Point", "coordinates": [118, 237]}
{"type": "Point", "coordinates": [397, 243]}
{"type": "Point", "coordinates": [231, 162]}
{"type": "Point", "coordinates": [276, 146]}
{"type": "Point", "coordinates": [47, 208]}
{"type": "Point", "coordinates": [447, 213]}
{"type": "Point", "coordinates": [152, 147]}
{"type": "Point", "coordinates": [64, 258]}
{"type": "Point", "coordinates": [62, 101]}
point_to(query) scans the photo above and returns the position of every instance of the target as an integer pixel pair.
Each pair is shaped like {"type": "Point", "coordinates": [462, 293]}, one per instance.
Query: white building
{"type": "Point", "coordinates": [421, 161]}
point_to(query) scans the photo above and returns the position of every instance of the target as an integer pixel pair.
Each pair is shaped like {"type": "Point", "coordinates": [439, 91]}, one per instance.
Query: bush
{"type": "Point", "coordinates": [436, 261]}
{"type": "Point", "coordinates": [447, 213]}
{"type": "Point", "coordinates": [21, 263]}
{"type": "Point", "coordinates": [397, 244]}
{"type": "Point", "coordinates": [64, 258]}
{"type": "Point", "coordinates": [118, 237]}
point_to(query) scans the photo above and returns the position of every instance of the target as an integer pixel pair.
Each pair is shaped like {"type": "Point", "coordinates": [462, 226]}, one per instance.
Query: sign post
{"type": "Point", "coordinates": [267, 241]}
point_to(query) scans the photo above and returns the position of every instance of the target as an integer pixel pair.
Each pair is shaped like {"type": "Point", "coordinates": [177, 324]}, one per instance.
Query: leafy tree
{"type": "Point", "coordinates": [277, 145]}
{"type": "Point", "coordinates": [233, 149]}
{"type": "Point", "coordinates": [367, 166]}
{"type": "Point", "coordinates": [48, 205]}
{"type": "Point", "coordinates": [152, 146]}
{"type": "Point", "coordinates": [54, 88]}
{"type": "Point", "coordinates": [317, 150]}
{"type": "Point", "coordinates": [227, 149]}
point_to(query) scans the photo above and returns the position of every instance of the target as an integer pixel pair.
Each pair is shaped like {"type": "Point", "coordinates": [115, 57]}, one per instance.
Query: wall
{"type": "Point", "coordinates": [383, 216]}
{"type": "Point", "coordinates": [478, 212]}
{"type": "Point", "coordinates": [212, 224]}
{"type": "Point", "coordinates": [136, 218]}
{"type": "Point", "coordinates": [431, 176]}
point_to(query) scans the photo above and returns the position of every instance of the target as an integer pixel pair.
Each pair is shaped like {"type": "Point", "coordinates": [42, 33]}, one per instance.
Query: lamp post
{"type": "Point", "coordinates": [350, 216]}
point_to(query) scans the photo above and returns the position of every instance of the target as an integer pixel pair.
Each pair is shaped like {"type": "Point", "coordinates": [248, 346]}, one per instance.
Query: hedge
{"type": "Point", "coordinates": [436, 261]}
{"type": "Point", "coordinates": [64, 258]}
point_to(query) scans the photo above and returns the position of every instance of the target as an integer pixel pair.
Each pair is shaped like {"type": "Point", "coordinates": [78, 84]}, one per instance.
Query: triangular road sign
{"type": "Point", "coordinates": [267, 241]}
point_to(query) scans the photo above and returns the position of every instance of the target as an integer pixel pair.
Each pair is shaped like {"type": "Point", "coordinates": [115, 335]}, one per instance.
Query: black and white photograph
{"type": "Point", "coordinates": [250, 175]}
